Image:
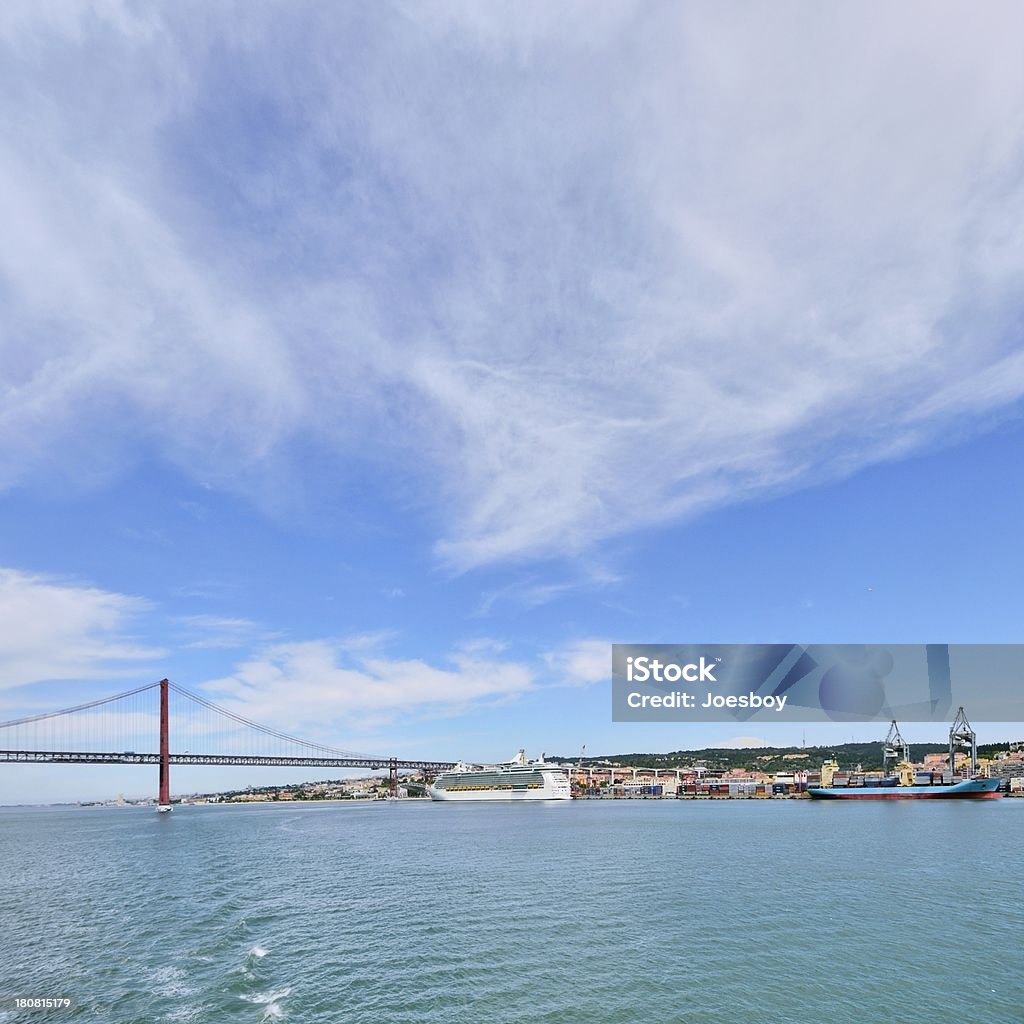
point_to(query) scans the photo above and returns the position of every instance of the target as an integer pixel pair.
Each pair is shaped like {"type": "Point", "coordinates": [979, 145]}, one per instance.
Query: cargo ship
{"type": "Point", "coordinates": [964, 789]}
{"type": "Point", "coordinates": [906, 783]}
{"type": "Point", "coordinates": [518, 779]}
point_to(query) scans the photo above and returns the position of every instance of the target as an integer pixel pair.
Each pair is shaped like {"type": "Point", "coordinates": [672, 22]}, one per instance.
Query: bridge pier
{"type": "Point", "coordinates": [164, 798]}
{"type": "Point", "coordinates": [393, 776]}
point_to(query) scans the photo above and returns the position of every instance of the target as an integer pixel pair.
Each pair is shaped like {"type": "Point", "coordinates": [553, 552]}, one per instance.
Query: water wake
{"type": "Point", "coordinates": [269, 998]}
{"type": "Point", "coordinates": [171, 982]}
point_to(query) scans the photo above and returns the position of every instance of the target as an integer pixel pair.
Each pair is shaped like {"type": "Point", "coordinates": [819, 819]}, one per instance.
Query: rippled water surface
{"type": "Point", "coordinates": [645, 911]}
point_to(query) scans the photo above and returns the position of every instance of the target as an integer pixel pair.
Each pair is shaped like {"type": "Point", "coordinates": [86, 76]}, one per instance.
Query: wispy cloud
{"type": "Point", "coordinates": [531, 590]}
{"type": "Point", "coordinates": [221, 632]}
{"type": "Point", "coordinates": [57, 630]}
{"type": "Point", "coordinates": [572, 283]}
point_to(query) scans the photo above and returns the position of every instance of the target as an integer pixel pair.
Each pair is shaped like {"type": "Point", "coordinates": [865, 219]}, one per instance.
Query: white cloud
{"type": "Point", "coordinates": [582, 662]}
{"type": "Point", "coordinates": [55, 630]}
{"type": "Point", "coordinates": [739, 742]}
{"type": "Point", "coordinates": [573, 281]}
{"type": "Point", "coordinates": [322, 685]}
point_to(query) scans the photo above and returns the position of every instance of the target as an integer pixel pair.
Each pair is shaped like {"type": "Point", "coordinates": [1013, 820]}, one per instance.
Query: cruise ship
{"type": "Point", "coordinates": [518, 779]}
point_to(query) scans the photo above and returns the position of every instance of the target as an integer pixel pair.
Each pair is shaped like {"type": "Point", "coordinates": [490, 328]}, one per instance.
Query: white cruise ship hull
{"type": "Point", "coordinates": [505, 795]}
{"type": "Point", "coordinates": [515, 780]}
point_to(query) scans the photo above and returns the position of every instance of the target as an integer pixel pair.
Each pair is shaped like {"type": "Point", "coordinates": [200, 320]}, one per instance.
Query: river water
{"type": "Point", "coordinates": [703, 912]}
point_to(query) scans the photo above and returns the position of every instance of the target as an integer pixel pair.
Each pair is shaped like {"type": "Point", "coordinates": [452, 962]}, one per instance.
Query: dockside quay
{"type": "Point", "coordinates": [698, 781]}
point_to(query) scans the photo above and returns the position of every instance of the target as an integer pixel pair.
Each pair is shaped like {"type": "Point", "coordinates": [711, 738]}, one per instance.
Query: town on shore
{"type": "Point", "coordinates": [740, 773]}
{"type": "Point", "coordinates": [780, 772]}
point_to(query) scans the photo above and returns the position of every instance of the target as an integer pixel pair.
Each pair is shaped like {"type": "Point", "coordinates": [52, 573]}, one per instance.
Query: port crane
{"type": "Point", "coordinates": [895, 748]}
{"type": "Point", "coordinates": [962, 735]}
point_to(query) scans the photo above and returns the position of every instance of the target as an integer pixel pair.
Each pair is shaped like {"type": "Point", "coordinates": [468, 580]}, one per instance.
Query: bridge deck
{"type": "Point", "coordinates": [132, 757]}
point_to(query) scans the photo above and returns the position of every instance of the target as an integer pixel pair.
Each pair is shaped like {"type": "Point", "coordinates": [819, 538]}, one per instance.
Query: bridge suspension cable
{"type": "Point", "coordinates": [78, 707]}
{"type": "Point", "coordinates": [267, 730]}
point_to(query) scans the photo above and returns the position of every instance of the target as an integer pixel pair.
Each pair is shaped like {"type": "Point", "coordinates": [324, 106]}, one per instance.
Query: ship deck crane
{"type": "Point", "coordinates": [962, 735]}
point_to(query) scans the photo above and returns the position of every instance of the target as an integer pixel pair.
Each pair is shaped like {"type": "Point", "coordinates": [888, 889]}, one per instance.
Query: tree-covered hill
{"type": "Point", "coordinates": [771, 759]}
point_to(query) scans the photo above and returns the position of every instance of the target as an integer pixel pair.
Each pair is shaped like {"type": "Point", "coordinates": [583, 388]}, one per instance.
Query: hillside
{"type": "Point", "coordinates": [771, 759]}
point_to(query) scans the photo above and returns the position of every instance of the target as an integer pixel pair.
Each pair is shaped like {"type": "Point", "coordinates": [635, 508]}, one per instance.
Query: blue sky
{"type": "Point", "coordinates": [371, 369]}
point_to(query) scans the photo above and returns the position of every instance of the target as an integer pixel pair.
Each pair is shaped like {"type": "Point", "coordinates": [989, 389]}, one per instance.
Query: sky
{"type": "Point", "coordinates": [370, 368]}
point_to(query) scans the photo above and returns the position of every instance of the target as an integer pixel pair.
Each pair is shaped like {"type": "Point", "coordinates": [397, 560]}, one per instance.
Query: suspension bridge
{"type": "Point", "coordinates": [135, 727]}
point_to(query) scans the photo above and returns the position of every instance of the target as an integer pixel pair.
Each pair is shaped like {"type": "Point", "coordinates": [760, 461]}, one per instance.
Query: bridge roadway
{"type": "Point", "coordinates": [131, 757]}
